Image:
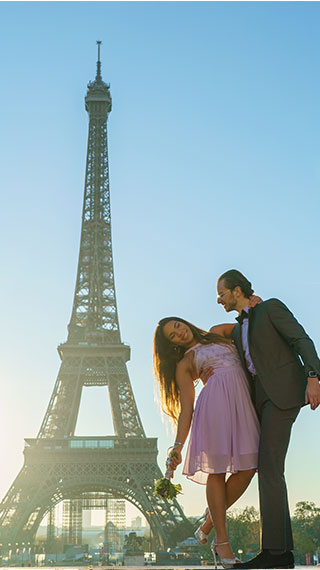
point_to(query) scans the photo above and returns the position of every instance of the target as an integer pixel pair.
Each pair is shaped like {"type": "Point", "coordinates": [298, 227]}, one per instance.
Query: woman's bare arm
{"type": "Point", "coordinates": [187, 395]}
{"type": "Point", "coordinates": [223, 330]}
{"type": "Point", "coordinates": [227, 328]}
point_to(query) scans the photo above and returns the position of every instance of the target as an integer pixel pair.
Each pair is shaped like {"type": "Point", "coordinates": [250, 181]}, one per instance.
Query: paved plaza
{"type": "Point", "coordinates": [206, 567]}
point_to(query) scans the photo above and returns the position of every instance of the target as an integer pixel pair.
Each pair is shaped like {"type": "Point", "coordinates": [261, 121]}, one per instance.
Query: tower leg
{"type": "Point", "coordinates": [51, 534]}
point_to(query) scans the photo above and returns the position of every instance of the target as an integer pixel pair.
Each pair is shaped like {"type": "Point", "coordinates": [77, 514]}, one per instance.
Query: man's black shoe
{"type": "Point", "coordinates": [265, 560]}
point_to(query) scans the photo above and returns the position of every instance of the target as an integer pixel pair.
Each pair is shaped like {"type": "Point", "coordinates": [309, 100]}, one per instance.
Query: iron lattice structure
{"type": "Point", "coordinates": [59, 466]}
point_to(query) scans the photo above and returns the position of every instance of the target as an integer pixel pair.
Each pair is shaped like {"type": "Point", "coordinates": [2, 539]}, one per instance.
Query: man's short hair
{"type": "Point", "coordinates": [233, 278]}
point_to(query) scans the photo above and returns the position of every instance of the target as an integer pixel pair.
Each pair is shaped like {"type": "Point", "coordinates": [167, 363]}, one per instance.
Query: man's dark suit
{"type": "Point", "coordinates": [282, 354]}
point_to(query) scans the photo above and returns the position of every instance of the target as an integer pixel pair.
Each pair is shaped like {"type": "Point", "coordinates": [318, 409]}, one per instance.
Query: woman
{"type": "Point", "coordinates": [224, 434]}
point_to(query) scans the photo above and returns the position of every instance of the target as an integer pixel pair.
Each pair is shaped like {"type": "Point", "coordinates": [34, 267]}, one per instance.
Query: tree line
{"type": "Point", "coordinates": [244, 530]}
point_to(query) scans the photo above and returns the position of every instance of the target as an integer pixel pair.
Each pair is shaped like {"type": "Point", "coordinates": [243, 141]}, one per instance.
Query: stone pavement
{"type": "Point", "coordinates": [150, 567]}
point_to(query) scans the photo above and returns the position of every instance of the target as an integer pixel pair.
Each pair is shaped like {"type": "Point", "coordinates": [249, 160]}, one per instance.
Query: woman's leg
{"type": "Point", "coordinates": [235, 486]}
{"type": "Point", "coordinates": [216, 498]}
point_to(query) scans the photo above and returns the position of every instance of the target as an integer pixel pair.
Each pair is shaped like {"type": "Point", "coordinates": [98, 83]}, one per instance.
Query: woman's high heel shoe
{"type": "Point", "coordinates": [226, 562]}
{"type": "Point", "coordinates": [199, 535]}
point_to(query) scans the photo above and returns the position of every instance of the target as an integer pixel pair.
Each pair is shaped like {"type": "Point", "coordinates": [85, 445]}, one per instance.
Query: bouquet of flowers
{"type": "Point", "coordinates": [163, 486]}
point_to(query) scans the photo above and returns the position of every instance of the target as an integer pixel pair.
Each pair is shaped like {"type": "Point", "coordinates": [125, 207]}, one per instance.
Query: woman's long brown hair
{"type": "Point", "coordinates": [166, 356]}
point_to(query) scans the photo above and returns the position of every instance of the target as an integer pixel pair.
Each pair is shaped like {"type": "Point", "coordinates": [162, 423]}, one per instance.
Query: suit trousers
{"type": "Point", "coordinates": [276, 424]}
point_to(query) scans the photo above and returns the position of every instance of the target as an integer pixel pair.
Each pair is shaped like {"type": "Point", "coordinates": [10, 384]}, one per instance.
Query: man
{"type": "Point", "coordinates": [272, 346]}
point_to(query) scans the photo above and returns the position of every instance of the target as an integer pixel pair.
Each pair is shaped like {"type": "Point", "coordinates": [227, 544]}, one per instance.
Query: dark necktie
{"type": "Point", "coordinates": [243, 315]}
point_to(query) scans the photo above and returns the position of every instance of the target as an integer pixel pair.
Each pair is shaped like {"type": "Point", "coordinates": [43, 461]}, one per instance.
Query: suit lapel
{"type": "Point", "coordinates": [251, 314]}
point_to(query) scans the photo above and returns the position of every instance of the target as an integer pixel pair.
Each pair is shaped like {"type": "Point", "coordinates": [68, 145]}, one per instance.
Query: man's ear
{"type": "Point", "coordinates": [237, 291]}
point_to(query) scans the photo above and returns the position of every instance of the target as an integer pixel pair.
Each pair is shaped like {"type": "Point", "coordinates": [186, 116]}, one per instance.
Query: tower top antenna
{"type": "Point", "coordinates": [98, 77]}
{"type": "Point", "coordinates": [98, 90]}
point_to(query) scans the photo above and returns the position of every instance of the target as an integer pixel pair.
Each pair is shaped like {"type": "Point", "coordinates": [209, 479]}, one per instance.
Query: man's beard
{"type": "Point", "coordinates": [231, 306]}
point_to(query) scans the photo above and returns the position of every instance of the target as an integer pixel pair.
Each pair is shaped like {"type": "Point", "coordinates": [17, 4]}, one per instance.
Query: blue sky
{"type": "Point", "coordinates": [214, 164]}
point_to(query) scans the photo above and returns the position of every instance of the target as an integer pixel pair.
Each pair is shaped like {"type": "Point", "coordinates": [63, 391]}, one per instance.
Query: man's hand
{"type": "Point", "coordinates": [204, 374]}
{"type": "Point", "coordinates": [312, 394]}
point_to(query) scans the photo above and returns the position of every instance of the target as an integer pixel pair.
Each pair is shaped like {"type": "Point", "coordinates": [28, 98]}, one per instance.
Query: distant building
{"type": "Point", "coordinates": [86, 519]}
{"type": "Point", "coordinates": [115, 521]}
{"type": "Point", "coordinates": [136, 523]}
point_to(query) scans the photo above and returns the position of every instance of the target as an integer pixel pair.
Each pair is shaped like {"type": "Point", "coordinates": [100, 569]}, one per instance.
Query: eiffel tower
{"type": "Point", "coordinates": [84, 472]}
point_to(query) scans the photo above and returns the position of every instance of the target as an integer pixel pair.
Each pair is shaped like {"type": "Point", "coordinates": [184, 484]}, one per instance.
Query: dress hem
{"type": "Point", "coordinates": [204, 474]}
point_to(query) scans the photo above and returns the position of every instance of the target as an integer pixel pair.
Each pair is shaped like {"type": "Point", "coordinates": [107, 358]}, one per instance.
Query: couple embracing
{"type": "Point", "coordinates": [256, 374]}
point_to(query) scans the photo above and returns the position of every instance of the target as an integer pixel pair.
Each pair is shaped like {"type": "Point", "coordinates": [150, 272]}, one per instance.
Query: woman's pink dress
{"type": "Point", "coordinates": [224, 435]}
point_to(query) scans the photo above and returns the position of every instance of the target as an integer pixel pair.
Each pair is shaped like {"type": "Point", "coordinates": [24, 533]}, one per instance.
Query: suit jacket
{"type": "Point", "coordinates": [281, 351]}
